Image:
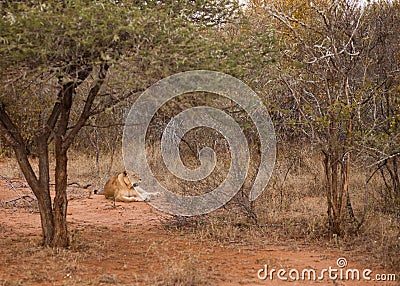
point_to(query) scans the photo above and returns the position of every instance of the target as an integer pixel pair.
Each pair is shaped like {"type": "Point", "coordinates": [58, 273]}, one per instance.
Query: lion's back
{"type": "Point", "coordinates": [111, 187]}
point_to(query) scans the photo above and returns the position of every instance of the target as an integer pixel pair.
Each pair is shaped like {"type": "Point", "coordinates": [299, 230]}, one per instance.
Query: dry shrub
{"type": "Point", "coordinates": [293, 208]}
{"type": "Point", "coordinates": [378, 240]}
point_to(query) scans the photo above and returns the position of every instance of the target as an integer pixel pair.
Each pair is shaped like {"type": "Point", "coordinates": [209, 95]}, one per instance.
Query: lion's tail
{"type": "Point", "coordinates": [97, 192]}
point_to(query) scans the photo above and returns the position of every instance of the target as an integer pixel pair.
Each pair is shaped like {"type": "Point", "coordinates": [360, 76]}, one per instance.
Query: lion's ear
{"type": "Point", "coordinates": [125, 173]}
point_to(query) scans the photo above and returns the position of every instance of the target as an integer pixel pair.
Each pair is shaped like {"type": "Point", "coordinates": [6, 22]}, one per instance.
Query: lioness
{"type": "Point", "coordinates": [122, 189]}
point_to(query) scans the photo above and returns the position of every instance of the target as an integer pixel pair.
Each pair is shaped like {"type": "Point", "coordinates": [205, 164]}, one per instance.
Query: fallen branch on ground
{"type": "Point", "coordinates": [26, 198]}
{"type": "Point", "coordinates": [14, 188]}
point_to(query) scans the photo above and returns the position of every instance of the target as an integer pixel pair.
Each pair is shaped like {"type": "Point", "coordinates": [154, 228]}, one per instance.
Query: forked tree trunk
{"type": "Point", "coordinates": [337, 165]}
{"type": "Point", "coordinates": [40, 188]}
{"type": "Point", "coordinates": [53, 217]}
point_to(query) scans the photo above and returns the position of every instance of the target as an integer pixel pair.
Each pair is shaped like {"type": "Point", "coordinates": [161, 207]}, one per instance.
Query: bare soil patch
{"type": "Point", "coordinates": [128, 244]}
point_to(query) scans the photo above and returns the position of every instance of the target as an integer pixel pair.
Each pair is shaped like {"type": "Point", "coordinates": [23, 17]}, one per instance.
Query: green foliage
{"type": "Point", "coordinates": [47, 44]}
{"type": "Point", "coordinates": [66, 35]}
{"type": "Point", "coordinates": [51, 34]}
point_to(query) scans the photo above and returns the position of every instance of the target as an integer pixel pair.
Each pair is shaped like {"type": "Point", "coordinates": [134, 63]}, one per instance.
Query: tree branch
{"type": "Point", "coordinates": [9, 130]}
{"type": "Point", "coordinates": [99, 109]}
{"type": "Point", "coordinates": [13, 137]}
{"type": "Point", "coordinates": [86, 112]}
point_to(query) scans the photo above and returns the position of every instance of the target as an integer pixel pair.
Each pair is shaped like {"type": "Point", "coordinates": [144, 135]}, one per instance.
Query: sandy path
{"type": "Point", "coordinates": [128, 245]}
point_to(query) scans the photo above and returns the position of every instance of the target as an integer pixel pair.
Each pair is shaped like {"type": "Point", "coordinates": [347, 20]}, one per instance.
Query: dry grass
{"type": "Point", "coordinates": [291, 211]}
{"type": "Point", "coordinates": [293, 208]}
{"type": "Point", "coordinates": [187, 271]}
{"type": "Point", "coordinates": [92, 260]}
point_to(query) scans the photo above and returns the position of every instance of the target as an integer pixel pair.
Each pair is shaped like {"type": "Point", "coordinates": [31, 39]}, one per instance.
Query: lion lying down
{"type": "Point", "coordinates": [124, 188]}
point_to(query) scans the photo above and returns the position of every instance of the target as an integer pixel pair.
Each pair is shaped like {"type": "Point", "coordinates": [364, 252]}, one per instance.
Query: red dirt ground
{"type": "Point", "coordinates": [127, 244]}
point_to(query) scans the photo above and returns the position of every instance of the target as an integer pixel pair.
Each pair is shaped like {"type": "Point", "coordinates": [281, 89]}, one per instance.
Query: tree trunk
{"type": "Point", "coordinates": [53, 219]}
{"type": "Point", "coordinates": [46, 218]}
{"type": "Point", "coordinates": [41, 190]}
{"type": "Point", "coordinates": [43, 194]}
{"type": "Point", "coordinates": [336, 181]}
{"type": "Point", "coordinates": [331, 183]}
{"type": "Point", "coordinates": [53, 216]}
{"type": "Point", "coordinates": [60, 200]}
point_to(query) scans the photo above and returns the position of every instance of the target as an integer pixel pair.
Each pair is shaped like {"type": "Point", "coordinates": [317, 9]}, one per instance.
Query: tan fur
{"type": "Point", "coordinates": [120, 188]}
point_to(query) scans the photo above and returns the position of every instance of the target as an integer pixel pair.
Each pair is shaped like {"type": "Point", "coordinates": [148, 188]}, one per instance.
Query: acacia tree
{"type": "Point", "coordinates": [56, 59]}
